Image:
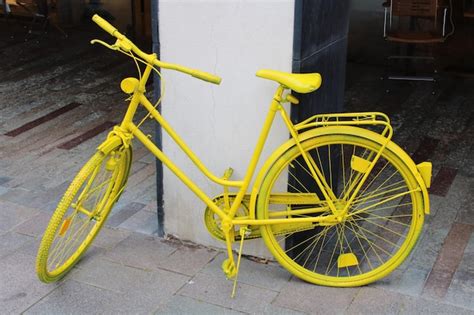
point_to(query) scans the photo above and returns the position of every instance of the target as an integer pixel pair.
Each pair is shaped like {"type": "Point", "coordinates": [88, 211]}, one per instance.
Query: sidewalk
{"type": "Point", "coordinates": [129, 272]}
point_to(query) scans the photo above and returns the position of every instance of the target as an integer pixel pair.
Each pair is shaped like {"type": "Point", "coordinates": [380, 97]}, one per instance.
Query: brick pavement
{"type": "Point", "coordinates": [130, 270]}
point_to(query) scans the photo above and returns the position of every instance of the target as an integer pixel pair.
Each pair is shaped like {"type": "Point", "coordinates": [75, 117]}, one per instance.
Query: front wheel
{"type": "Point", "coordinates": [82, 212]}
{"type": "Point", "coordinates": [380, 229]}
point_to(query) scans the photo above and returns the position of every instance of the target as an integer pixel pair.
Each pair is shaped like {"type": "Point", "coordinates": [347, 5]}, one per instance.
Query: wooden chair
{"type": "Point", "coordinates": [412, 23]}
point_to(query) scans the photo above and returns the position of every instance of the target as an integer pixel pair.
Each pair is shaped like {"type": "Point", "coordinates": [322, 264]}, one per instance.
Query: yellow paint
{"type": "Point", "coordinates": [359, 164]}
{"type": "Point", "coordinates": [347, 260]}
{"type": "Point", "coordinates": [128, 85]}
{"type": "Point", "coordinates": [298, 211]}
{"type": "Point", "coordinates": [301, 83]}
{"type": "Point", "coordinates": [425, 170]}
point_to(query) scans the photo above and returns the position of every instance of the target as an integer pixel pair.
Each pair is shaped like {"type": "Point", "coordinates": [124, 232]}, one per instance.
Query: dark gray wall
{"type": "Point", "coordinates": [320, 45]}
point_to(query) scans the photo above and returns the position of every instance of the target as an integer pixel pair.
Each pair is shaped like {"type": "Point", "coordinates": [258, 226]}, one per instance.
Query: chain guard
{"type": "Point", "coordinates": [213, 221]}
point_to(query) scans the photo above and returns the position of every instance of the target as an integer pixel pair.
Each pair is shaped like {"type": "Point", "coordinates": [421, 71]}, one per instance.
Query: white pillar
{"type": "Point", "coordinates": [220, 123]}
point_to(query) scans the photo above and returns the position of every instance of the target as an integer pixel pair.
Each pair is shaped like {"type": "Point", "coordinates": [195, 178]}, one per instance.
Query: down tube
{"type": "Point", "coordinates": [172, 167]}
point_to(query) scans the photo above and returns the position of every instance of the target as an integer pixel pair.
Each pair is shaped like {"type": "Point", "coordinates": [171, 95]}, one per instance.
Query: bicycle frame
{"type": "Point", "coordinates": [341, 222]}
{"type": "Point", "coordinates": [128, 127]}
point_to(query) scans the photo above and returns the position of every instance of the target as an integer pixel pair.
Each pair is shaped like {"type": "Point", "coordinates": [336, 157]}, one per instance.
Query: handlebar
{"type": "Point", "coordinates": [124, 43]}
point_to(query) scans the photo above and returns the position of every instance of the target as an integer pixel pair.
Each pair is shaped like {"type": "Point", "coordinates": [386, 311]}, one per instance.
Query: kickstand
{"type": "Point", "coordinates": [243, 231]}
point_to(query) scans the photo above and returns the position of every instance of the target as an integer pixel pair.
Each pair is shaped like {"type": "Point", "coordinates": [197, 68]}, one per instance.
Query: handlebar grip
{"type": "Point", "coordinates": [106, 26]}
{"type": "Point", "coordinates": [206, 76]}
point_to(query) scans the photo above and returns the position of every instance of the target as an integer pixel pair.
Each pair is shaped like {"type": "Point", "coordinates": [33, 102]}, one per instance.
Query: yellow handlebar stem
{"type": "Point", "coordinates": [128, 45]}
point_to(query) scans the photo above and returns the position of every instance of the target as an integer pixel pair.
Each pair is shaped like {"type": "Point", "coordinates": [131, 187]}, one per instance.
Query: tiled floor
{"type": "Point", "coordinates": [46, 86]}
{"type": "Point", "coordinates": [60, 98]}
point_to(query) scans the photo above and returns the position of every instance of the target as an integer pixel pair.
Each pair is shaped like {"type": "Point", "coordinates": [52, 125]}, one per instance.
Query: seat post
{"type": "Point", "coordinates": [277, 97]}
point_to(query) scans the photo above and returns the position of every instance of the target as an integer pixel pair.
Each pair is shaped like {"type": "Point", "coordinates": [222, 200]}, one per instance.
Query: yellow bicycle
{"type": "Point", "coordinates": [338, 204]}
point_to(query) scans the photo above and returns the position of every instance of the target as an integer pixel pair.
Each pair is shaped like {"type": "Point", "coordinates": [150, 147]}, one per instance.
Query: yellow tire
{"type": "Point", "coordinates": [382, 225]}
{"type": "Point", "coordinates": [82, 212]}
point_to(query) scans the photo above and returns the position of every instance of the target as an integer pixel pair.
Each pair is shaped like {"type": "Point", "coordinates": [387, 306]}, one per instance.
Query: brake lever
{"type": "Point", "coordinates": [98, 41]}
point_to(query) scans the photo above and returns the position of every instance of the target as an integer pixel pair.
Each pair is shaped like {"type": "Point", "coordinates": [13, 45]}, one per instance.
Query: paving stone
{"type": "Point", "coordinates": [271, 276]}
{"type": "Point", "coordinates": [425, 306]}
{"type": "Point", "coordinates": [156, 286]}
{"type": "Point", "coordinates": [92, 253]}
{"type": "Point", "coordinates": [140, 176]}
{"type": "Point", "coordinates": [275, 310]}
{"type": "Point", "coordinates": [19, 286]}
{"type": "Point", "coordinates": [148, 158]}
{"type": "Point", "coordinates": [466, 264]}
{"type": "Point", "coordinates": [216, 289]}
{"type": "Point", "coordinates": [466, 212]}
{"type": "Point", "coordinates": [151, 206]}
{"type": "Point", "coordinates": [35, 226]}
{"type": "Point", "coordinates": [29, 248]}
{"type": "Point", "coordinates": [391, 281]}
{"type": "Point", "coordinates": [143, 222]}
{"type": "Point", "coordinates": [426, 251]}
{"type": "Point", "coordinates": [377, 301]}
{"type": "Point", "coordinates": [12, 214]}
{"type": "Point", "coordinates": [79, 298]}
{"type": "Point", "coordinates": [3, 190]}
{"type": "Point", "coordinates": [313, 299]}
{"type": "Point", "coordinates": [10, 242]}
{"type": "Point", "coordinates": [187, 260]}
{"type": "Point", "coordinates": [20, 196]}
{"type": "Point", "coordinates": [4, 179]}
{"type": "Point", "coordinates": [461, 290]}
{"type": "Point", "coordinates": [123, 213]}
{"type": "Point", "coordinates": [448, 260]}
{"type": "Point", "coordinates": [186, 305]}
{"type": "Point", "coordinates": [109, 238]}
{"type": "Point", "coordinates": [140, 251]}
{"type": "Point", "coordinates": [411, 282]}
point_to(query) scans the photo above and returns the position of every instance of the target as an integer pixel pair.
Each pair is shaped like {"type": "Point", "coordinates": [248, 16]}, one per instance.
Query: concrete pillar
{"type": "Point", "coordinates": [320, 45]}
{"type": "Point", "coordinates": [220, 123]}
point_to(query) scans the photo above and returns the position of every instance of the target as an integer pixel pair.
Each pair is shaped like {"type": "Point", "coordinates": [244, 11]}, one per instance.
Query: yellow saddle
{"type": "Point", "coordinates": [298, 82]}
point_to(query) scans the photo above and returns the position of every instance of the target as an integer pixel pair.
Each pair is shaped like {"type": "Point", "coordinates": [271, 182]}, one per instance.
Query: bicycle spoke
{"type": "Point", "coordinates": [369, 242]}
{"type": "Point", "coordinates": [383, 227]}
{"type": "Point", "coordinates": [378, 197]}
{"type": "Point", "coordinates": [379, 237]}
{"type": "Point", "coordinates": [374, 178]}
{"type": "Point", "coordinates": [63, 245]}
{"type": "Point", "coordinates": [383, 201]}
{"type": "Point", "coordinates": [362, 247]}
{"type": "Point", "coordinates": [378, 226]}
{"type": "Point", "coordinates": [388, 218]}
{"type": "Point", "coordinates": [377, 192]}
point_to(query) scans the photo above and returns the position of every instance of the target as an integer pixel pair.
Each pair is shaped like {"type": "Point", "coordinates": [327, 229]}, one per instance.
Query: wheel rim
{"type": "Point", "coordinates": [86, 213]}
{"type": "Point", "coordinates": [352, 252]}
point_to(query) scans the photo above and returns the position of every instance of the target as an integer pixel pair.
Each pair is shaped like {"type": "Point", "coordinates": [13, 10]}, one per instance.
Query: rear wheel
{"type": "Point", "coordinates": [379, 231]}
{"type": "Point", "coordinates": [82, 212]}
